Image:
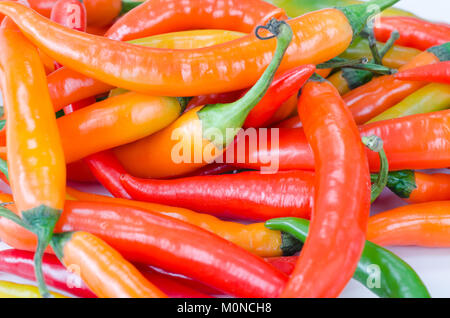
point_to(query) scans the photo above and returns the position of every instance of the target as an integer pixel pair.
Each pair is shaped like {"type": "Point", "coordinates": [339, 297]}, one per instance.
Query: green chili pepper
{"type": "Point", "coordinates": [384, 273]}
{"type": "Point", "coordinates": [431, 98]}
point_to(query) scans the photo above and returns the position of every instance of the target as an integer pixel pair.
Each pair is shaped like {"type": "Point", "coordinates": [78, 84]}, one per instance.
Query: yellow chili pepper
{"type": "Point", "coordinates": [14, 290]}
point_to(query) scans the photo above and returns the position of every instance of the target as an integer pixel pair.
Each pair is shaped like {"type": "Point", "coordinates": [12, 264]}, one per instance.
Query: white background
{"type": "Point", "coordinates": [432, 264]}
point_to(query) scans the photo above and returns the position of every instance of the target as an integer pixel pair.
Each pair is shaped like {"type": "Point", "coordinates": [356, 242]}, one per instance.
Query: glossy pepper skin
{"type": "Point", "coordinates": [414, 32]}
{"type": "Point", "coordinates": [113, 122]}
{"type": "Point", "coordinates": [67, 86]}
{"type": "Point", "coordinates": [265, 196]}
{"type": "Point", "coordinates": [37, 170]}
{"type": "Point", "coordinates": [430, 98]}
{"type": "Point", "coordinates": [419, 187]}
{"type": "Point", "coordinates": [179, 73]}
{"type": "Point", "coordinates": [422, 224]}
{"type": "Point", "coordinates": [20, 263]}
{"type": "Point", "coordinates": [163, 16]}
{"type": "Point", "coordinates": [255, 238]}
{"type": "Point", "coordinates": [13, 290]}
{"type": "Point", "coordinates": [173, 245]}
{"type": "Point", "coordinates": [281, 89]}
{"type": "Point", "coordinates": [337, 232]}
{"type": "Point", "coordinates": [371, 99]}
{"type": "Point", "coordinates": [399, 279]}
{"type": "Point", "coordinates": [201, 134]}
{"type": "Point", "coordinates": [101, 267]}
{"type": "Point", "coordinates": [438, 73]}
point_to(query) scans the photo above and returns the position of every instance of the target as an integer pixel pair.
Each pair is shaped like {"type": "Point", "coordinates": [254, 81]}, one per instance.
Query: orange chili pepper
{"type": "Point", "coordinates": [319, 36]}
{"type": "Point", "coordinates": [113, 122]}
{"type": "Point", "coordinates": [35, 156]}
{"type": "Point", "coordinates": [423, 224]}
{"type": "Point", "coordinates": [373, 98]}
{"type": "Point", "coordinates": [102, 268]}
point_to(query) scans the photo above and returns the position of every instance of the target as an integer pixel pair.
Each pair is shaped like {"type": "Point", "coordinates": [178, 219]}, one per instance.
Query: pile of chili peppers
{"type": "Point", "coordinates": [242, 143]}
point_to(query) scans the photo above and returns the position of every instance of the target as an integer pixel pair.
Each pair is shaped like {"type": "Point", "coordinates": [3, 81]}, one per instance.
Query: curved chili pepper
{"type": "Point", "coordinates": [431, 98]}
{"type": "Point", "coordinates": [118, 120]}
{"type": "Point", "coordinates": [163, 16]}
{"type": "Point", "coordinates": [165, 242]}
{"type": "Point", "coordinates": [398, 280]}
{"type": "Point", "coordinates": [107, 170]}
{"type": "Point", "coordinates": [67, 86]}
{"type": "Point", "coordinates": [255, 238]}
{"type": "Point", "coordinates": [101, 267]}
{"type": "Point", "coordinates": [342, 170]}
{"type": "Point", "coordinates": [396, 57]}
{"type": "Point", "coordinates": [281, 89]}
{"type": "Point", "coordinates": [295, 8]}
{"type": "Point", "coordinates": [423, 224]}
{"type": "Point", "coordinates": [20, 263]}
{"type": "Point", "coordinates": [418, 187]}
{"type": "Point", "coordinates": [439, 73]}
{"type": "Point", "coordinates": [265, 196]}
{"type": "Point", "coordinates": [412, 142]}
{"type": "Point", "coordinates": [179, 73]}
{"type": "Point", "coordinates": [202, 132]}
{"type": "Point", "coordinates": [371, 99]}
{"type": "Point", "coordinates": [286, 110]}
{"type": "Point", "coordinates": [13, 290]}
{"type": "Point", "coordinates": [414, 32]}
{"type": "Point", "coordinates": [35, 156]}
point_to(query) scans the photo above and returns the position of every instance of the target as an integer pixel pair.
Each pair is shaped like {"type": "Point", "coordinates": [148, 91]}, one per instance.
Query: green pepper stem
{"type": "Point", "coordinates": [395, 35]}
{"type": "Point", "coordinates": [401, 182]}
{"type": "Point", "coordinates": [7, 214]}
{"type": "Point", "coordinates": [373, 44]}
{"type": "Point", "coordinates": [358, 14]}
{"type": "Point", "coordinates": [38, 256]}
{"type": "Point", "coordinates": [375, 143]}
{"type": "Point", "coordinates": [397, 278]}
{"type": "Point", "coordinates": [339, 62]}
{"type": "Point", "coordinates": [373, 68]}
{"type": "Point", "coordinates": [232, 116]}
{"type": "Point", "coordinates": [128, 5]}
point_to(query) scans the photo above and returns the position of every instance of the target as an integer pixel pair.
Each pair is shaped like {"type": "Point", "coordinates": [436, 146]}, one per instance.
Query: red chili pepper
{"type": "Point", "coordinates": [178, 247]}
{"type": "Point", "coordinates": [439, 73]}
{"type": "Point", "coordinates": [78, 105]}
{"type": "Point", "coordinates": [342, 196]}
{"type": "Point", "coordinates": [419, 141]}
{"type": "Point", "coordinates": [163, 16]}
{"type": "Point", "coordinates": [107, 170]}
{"type": "Point", "coordinates": [20, 263]}
{"type": "Point", "coordinates": [246, 195]}
{"type": "Point", "coordinates": [282, 88]}
{"type": "Point", "coordinates": [414, 32]}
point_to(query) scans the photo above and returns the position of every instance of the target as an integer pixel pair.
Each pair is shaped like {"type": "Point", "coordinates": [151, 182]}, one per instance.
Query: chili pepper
{"type": "Point", "coordinates": [67, 86]}
{"type": "Point", "coordinates": [295, 8]}
{"type": "Point", "coordinates": [79, 105]}
{"type": "Point", "coordinates": [373, 98]}
{"type": "Point", "coordinates": [13, 290]}
{"type": "Point", "coordinates": [414, 32]}
{"type": "Point", "coordinates": [423, 224]}
{"type": "Point", "coordinates": [117, 120]}
{"type": "Point", "coordinates": [204, 131]}
{"type": "Point", "coordinates": [255, 238]}
{"type": "Point", "coordinates": [399, 280]}
{"type": "Point", "coordinates": [167, 243]}
{"type": "Point", "coordinates": [293, 122]}
{"type": "Point", "coordinates": [412, 142]}
{"type": "Point", "coordinates": [164, 16]}
{"type": "Point", "coordinates": [71, 14]}
{"type": "Point", "coordinates": [282, 88]}
{"type": "Point", "coordinates": [35, 156]}
{"type": "Point", "coordinates": [286, 110]}
{"type": "Point", "coordinates": [107, 170]}
{"type": "Point", "coordinates": [178, 72]}
{"type": "Point", "coordinates": [101, 267]}
{"type": "Point", "coordinates": [431, 98]}
{"type": "Point", "coordinates": [265, 196]}
{"type": "Point", "coordinates": [439, 73]}
{"type": "Point", "coordinates": [396, 57]}
{"type": "Point", "coordinates": [418, 187]}
{"type": "Point", "coordinates": [20, 263]}
{"type": "Point", "coordinates": [212, 169]}
{"type": "Point", "coordinates": [342, 169]}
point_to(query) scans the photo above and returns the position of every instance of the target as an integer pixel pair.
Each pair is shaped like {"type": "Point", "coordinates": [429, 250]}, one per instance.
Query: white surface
{"type": "Point", "coordinates": [432, 264]}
